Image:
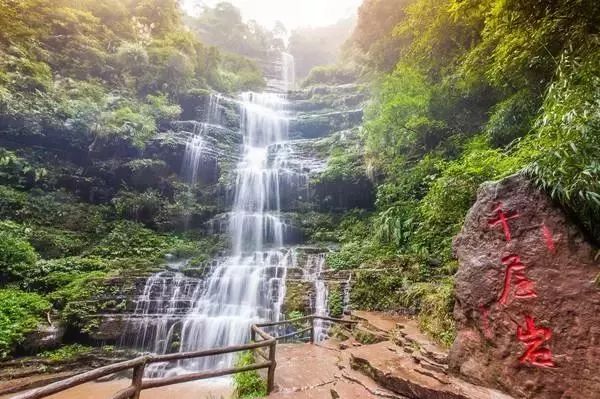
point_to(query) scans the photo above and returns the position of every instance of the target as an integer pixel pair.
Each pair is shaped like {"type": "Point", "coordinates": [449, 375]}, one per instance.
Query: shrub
{"type": "Point", "coordinates": [335, 302]}
{"type": "Point", "coordinates": [55, 243]}
{"type": "Point", "coordinates": [17, 256]}
{"type": "Point", "coordinates": [50, 275]}
{"type": "Point", "coordinates": [450, 196]}
{"type": "Point", "coordinates": [76, 300]}
{"type": "Point", "coordinates": [141, 207]}
{"type": "Point", "coordinates": [67, 353]}
{"type": "Point", "coordinates": [331, 75]}
{"type": "Point", "coordinates": [434, 301]}
{"type": "Point", "coordinates": [378, 289]}
{"type": "Point", "coordinates": [11, 202]}
{"type": "Point", "coordinates": [20, 313]}
{"type": "Point", "coordinates": [249, 384]}
{"type": "Point", "coordinates": [565, 146]}
{"type": "Point", "coordinates": [128, 239]}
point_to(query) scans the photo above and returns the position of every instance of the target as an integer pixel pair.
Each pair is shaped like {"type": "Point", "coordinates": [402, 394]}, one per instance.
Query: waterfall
{"type": "Point", "coordinates": [288, 71]}
{"type": "Point", "coordinates": [192, 158]}
{"type": "Point", "coordinates": [248, 285]}
{"type": "Point", "coordinates": [312, 272]}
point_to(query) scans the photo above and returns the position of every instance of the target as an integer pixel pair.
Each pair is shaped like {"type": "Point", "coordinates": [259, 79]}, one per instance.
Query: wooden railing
{"type": "Point", "coordinates": [260, 340]}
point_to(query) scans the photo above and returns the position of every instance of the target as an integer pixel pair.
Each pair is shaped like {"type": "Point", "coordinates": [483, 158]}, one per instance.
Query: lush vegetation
{"type": "Point", "coordinates": [465, 92]}
{"type": "Point", "coordinates": [20, 313]}
{"type": "Point", "coordinates": [88, 91]}
{"type": "Point", "coordinates": [248, 384]}
{"type": "Point", "coordinates": [223, 26]}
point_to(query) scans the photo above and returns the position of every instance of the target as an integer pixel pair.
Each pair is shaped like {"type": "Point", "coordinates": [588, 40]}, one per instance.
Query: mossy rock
{"type": "Point", "coordinates": [297, 297]}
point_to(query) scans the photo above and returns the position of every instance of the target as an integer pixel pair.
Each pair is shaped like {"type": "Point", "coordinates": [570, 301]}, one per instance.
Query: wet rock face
{"type": "Point", "coordinates": [527, 305]}
{"type": "Point", "coordinates": [43, 338]}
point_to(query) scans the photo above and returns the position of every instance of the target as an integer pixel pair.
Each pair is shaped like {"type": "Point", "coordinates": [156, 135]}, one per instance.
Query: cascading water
{"type": "Point", "coordinates": [312, 272]}
{"type": "Point", "coordinates": [246, 286]}
{"type": "Point", "coordinates": [288, 71]}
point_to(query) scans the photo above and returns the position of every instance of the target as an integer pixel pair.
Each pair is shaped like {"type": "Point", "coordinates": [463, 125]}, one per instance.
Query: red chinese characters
{"type": "Point", "coordinates": [520, 286]}
{"type": "Point", "coordinates": [535, 338]}
{"type": "Point", "coordinates": [548, 238]}
{"type": "Point", "coordinates": [515, 272]}
{"type": "Point", "coordinates": [502, 219]}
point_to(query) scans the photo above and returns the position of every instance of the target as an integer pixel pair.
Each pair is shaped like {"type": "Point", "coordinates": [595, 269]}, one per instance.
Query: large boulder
{"type": "Point", "coordinates": [527, 300]}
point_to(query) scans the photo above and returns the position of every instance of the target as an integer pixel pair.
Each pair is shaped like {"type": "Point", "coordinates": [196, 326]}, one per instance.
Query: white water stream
{"type": "Point", "coordinates": [177, 313]}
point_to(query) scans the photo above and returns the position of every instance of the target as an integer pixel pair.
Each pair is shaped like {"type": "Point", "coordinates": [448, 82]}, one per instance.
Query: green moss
{"type": "Point", "coordinates": [297, 297]}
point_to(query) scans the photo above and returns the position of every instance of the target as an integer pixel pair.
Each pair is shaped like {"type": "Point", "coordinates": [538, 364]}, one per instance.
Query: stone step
{"type": "Point", "coordinates": [392, 368]}
{"type": "Point", "coordinates": [408, 335]}
{"type": "Point", "coordinates": [365, 335]}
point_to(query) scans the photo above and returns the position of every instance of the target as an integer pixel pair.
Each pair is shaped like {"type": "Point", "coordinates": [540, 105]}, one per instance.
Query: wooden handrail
{"type": "Point", "coordinates": [79, 379]}
{"type": "Point", "coordinates": [178, 379]}
{"type": "Point", "coordinates": [300, 332]}
{"type": "Point", "coordinates": [139, 364]}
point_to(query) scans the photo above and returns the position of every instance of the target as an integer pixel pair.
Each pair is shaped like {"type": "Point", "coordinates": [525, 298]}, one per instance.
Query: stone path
{"type": "Point", "coordinates": [397, 361]}
{"type": "Point", "coordinates": [384, 357]}
{"type": "Point", "coordinates": [307, 371]}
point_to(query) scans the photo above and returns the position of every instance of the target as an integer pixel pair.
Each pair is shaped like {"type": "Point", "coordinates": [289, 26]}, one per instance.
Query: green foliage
{"type": "Point", "coordinates": [294, 314]}
{"type": "Point", "coordinates": [248, 384]}
{"type": "Point", "coordinates": [512, 118]}
{"type": "Point", "coordinates": [50, 275]}
{"type": "Point", "coordinates": [398, 127]}
{"type": "Point", "coordinates": [343, 164]}
{"type": "Point", "coordinates": [565, 148]}
{"type": "Point", "coordinates": [67, 353]}
{"type": "Point", "coordinates": [354, 231]}
{"type": "Point", "coordinates": [11, 201]}
{"type": "Point", "coordinates": [238, 74]}
{"type": "Point", "coordinates": [444, 207]}
{"type": "Point", "coordinates": [112, 75]}
{"type": "Point", "coordinates": [335, 302]}
{"type": "Point", "coordinates": [51, 242]}
{"type": "Point", "coordinates": [222, 26]}
{"type": "Point", "coordinates": [435, 303]}
{"type": "Point", "coordinates": [378, 289]}
{"type": "Point", "coordinates": [20, 313]}
{"type": "Point", "coordinates": [77, 301]}
{"type": "Point", "coordinates": [331, 75]}
{"type": "Point", "coordinates": [17, 256]}
{"type": "Point", "coordinates": [128, 239]}
{"type": "Point", "coordinates": [372, 38]}
{"type": "Point", "coordinates": [467, 91]}
{"type": "Point", "coordinates": [140, 207]}
{"type": "Point", "coordinates": [17, 171]}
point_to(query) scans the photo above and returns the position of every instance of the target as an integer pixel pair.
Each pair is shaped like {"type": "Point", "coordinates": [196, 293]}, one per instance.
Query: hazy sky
{"type": "Point", "coordinates": [292, 13]}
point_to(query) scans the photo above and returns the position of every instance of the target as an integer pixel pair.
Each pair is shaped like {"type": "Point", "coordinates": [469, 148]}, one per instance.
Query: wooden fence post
{"type": "Point", "coordinates": [136, 381]}
{"type": "Point", "coordinates": [252, 335]}
{"type": "Point", "coordinates": [271, 373]}
{"type": "Point", "coordinates": [312, 330]}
